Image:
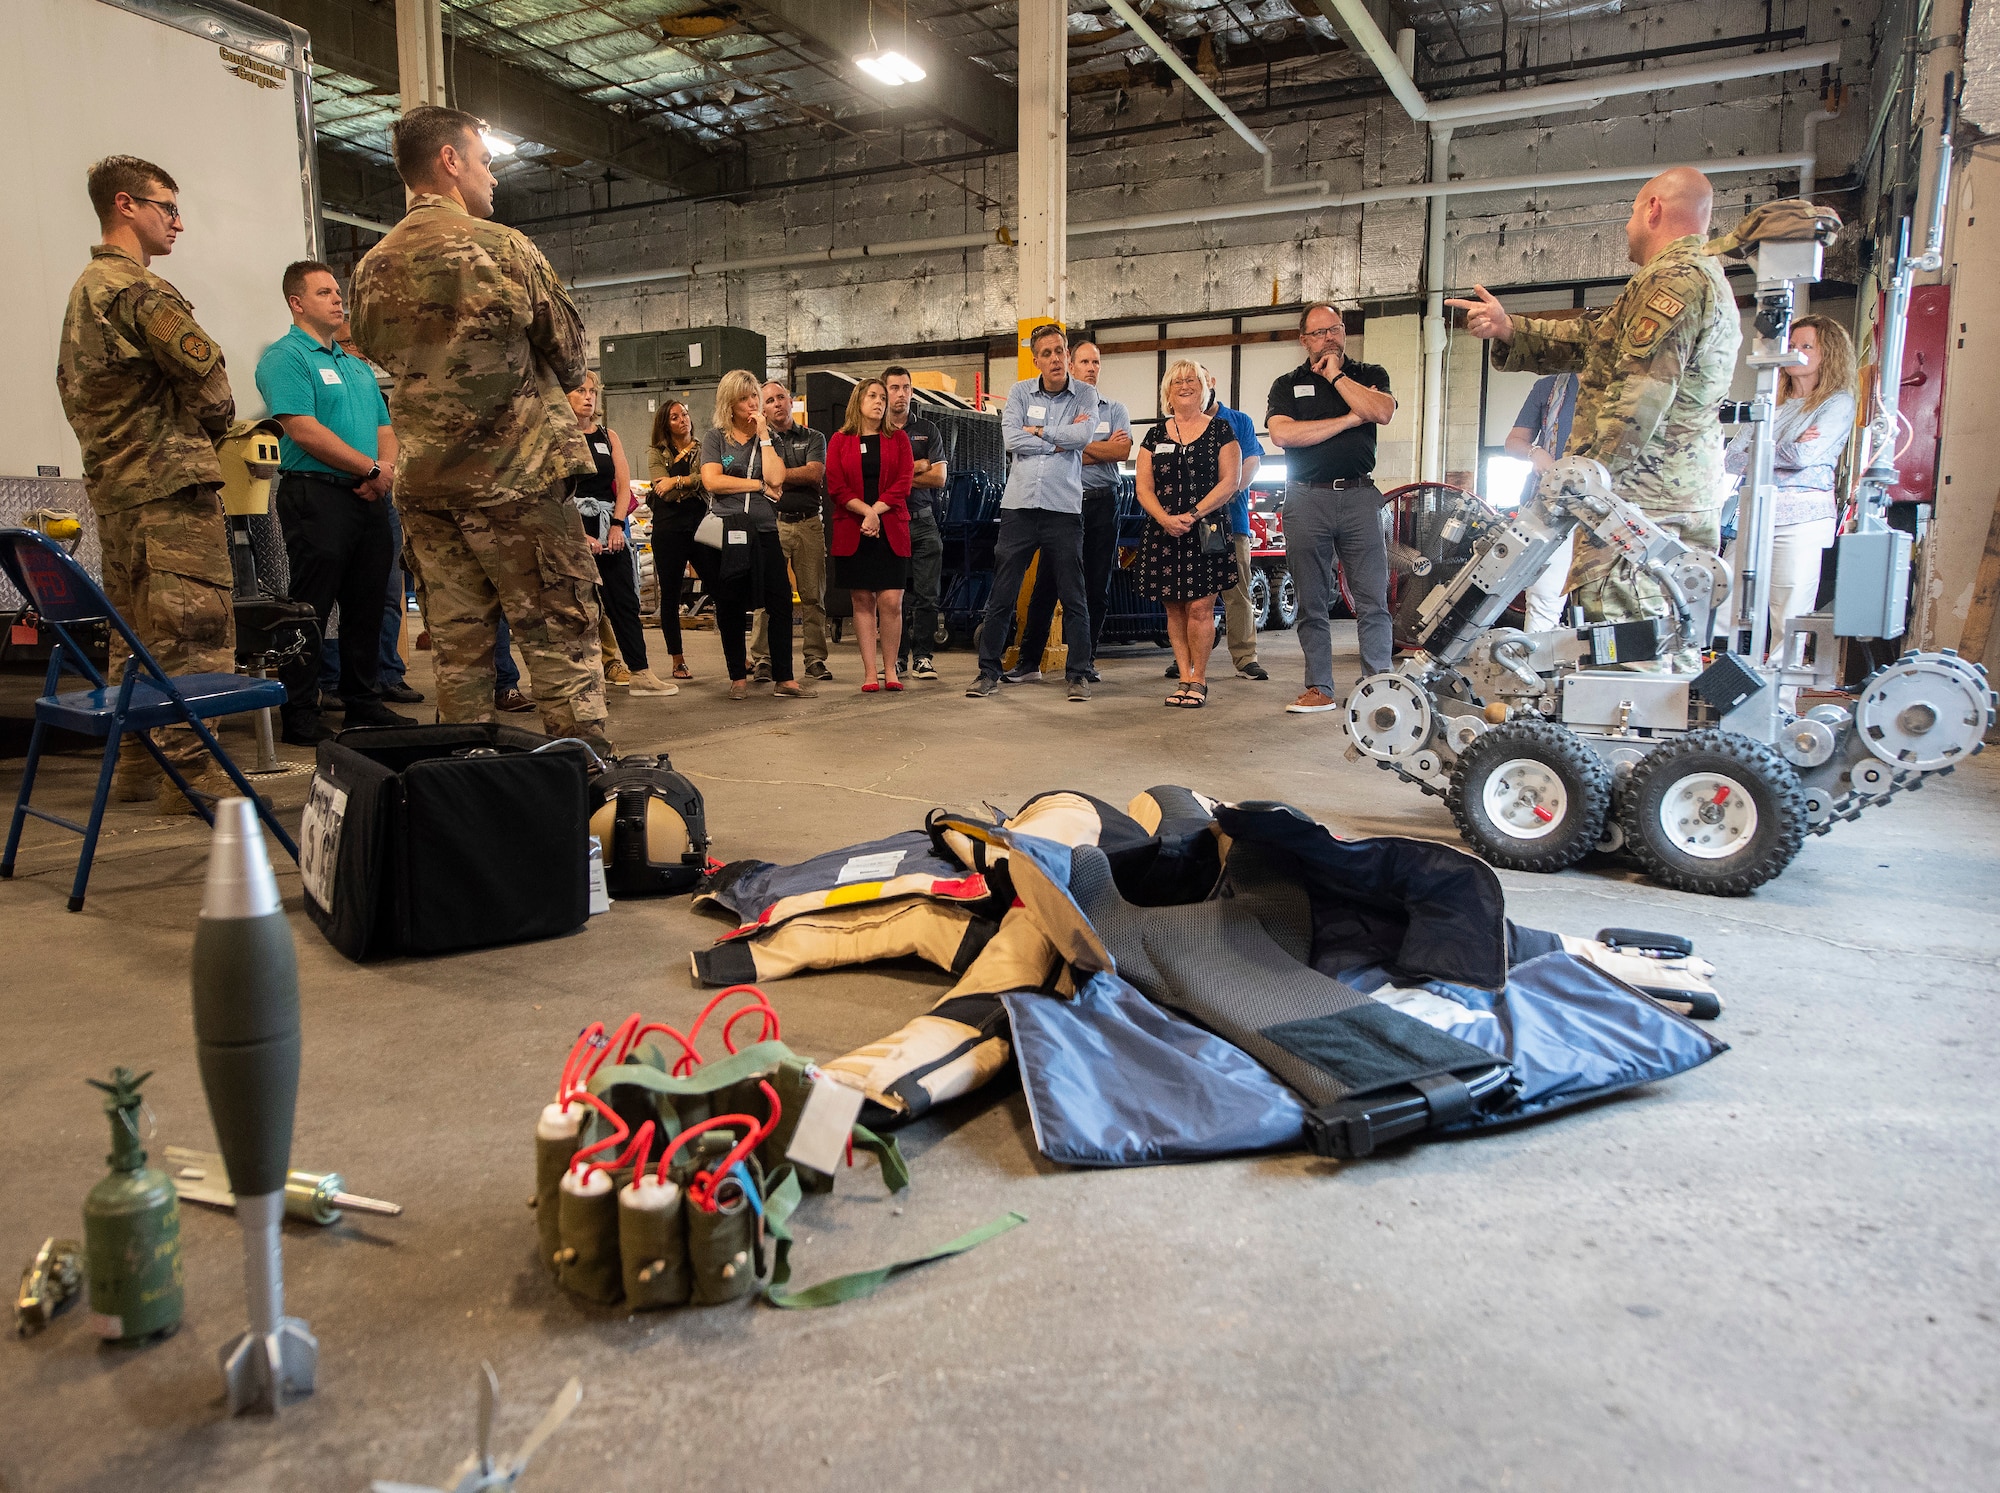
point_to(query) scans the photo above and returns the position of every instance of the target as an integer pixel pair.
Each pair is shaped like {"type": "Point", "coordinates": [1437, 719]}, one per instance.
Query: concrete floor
{"type": "Point", "coordinates": [1777, 1271]}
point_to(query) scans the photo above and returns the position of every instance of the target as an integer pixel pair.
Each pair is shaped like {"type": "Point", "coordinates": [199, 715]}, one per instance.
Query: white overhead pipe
{"type": "Point", "coordinates": [1190, 216]}
{"type": "Point", "coordinates": [1553, 98]}
{"type": "Point", "coordinates": [1171, 56]}
{"type": "Point", "coordinates": [334, 215]}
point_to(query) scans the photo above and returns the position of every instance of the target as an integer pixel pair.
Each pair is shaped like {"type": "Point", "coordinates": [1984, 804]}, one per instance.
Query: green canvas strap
{"type": "Point", "coordinates": [758, 1060]}
{"type": "Point", "coordinates": [867, 1282]}
{"type": "Point", "coordinates": [895, 1170]}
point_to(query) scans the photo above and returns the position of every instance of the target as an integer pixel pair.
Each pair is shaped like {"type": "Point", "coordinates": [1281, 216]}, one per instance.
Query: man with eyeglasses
{"type": "Point", "coordinates": [146, 393]}
{"type": "Point", "coordinates": [1323, 415]}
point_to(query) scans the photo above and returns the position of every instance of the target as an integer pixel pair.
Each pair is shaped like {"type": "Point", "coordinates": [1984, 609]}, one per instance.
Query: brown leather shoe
{"type": "Point", "coordinates": [1312, 702]}
{"type": "Point", "coordinates": [512, 701]}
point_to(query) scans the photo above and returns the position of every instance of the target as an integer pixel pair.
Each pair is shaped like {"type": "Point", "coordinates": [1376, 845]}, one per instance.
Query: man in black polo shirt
{"type": "Point", "coordinates": [926, 511]}
{"type": "Point", "coordinates": [1323, 415]}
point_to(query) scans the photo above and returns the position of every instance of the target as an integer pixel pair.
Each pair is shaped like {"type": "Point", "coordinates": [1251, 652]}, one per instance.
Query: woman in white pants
{"type": "Point", "coordinates": [1814, 418]}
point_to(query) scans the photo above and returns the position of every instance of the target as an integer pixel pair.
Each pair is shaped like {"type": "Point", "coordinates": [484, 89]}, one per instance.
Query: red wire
{"type": "Point", "coordinates": [610, 1140]}
{"type": "Point", "coordinates": [762, 1001]}
{"type": "Point", "coordinates": [701, 1188]}
{"type": "Point", "coordinates": [765, 1033]}
{"type": "Point", "coordinates": [619, 1041]}
{"type": "Point", "coordinates": [667, 1156]}
{"type": "Point", "coordinates": [637, 1149]}
{"type": "Point", "coordinates": [687, 1047]}
{"type": "Point", "coordinates": [577, 1049]}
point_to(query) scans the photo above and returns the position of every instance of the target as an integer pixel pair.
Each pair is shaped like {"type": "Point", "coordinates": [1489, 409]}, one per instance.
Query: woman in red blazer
{"type": "Point", "coordinates": [868, 471]}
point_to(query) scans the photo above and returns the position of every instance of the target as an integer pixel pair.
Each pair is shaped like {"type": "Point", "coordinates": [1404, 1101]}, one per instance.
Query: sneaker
{"type": "Point", "coordinates": [761, 674]}
{"type": "Point", "coordinates": [923, 668]}
{"type": "Point", "coordinates": [615, 672]}
{"type": "Point", "coordinates": [1173, 672]}
{"type": "Point", "coordinates": [817, 669]}
{"type": "Point", "coordinates": [1251, 670]}
{"type": "Point", "coordinates": [791, 689]}
{"type": "Point", "coordinates": [400, 693]}
{"type": "Point", "coordinates": [1312, 702]}
{"type": "Point", "coordinates": [1079, 687]}
{"type": "Point", "coordinates": [512, 701]}
{"type": "Point", "coordinates": [646, 682]}
{"type": "Point", "coordinates": [1021, 676]}
{"type": "Point", "coordinates": [984, 685]}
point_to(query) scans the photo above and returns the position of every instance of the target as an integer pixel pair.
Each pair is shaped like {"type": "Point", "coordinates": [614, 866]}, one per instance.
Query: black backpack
{"type": "Point", "coordinates": [650, 822]}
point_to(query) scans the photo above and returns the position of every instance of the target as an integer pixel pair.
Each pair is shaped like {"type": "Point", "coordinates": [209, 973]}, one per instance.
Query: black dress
{"type": "Point", "coordinates": [873, 566]}
{"type": "Point", "coordinates": [1172, 567]}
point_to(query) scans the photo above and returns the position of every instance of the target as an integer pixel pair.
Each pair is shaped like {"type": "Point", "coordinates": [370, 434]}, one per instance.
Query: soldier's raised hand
{"type": "Point", "coordinates": [1485, 318]}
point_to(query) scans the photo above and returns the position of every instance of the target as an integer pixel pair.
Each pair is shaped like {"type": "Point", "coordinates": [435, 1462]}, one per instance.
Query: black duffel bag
{"type": "Point", "coordinates": [429, 839]}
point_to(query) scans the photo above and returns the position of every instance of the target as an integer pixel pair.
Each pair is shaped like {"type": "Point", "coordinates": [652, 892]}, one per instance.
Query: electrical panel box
{"type": "Point", "coordinates": [1920, 400]}
{"type": "Point", "coordinates": [1871, 589]}
{"type": "Point", "coordinates": [695, 354]}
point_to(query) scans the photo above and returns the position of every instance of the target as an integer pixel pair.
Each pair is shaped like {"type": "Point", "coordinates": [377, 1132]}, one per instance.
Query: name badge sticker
{"type": "Point", "coordinates": [1038, 411]}
{"type": "Point", "coordinates": [1303, 391]}
{"type": "Point", "coordinates": [329, 376]}
{"type": "Point", "coordinates": [1165, 448]}
{"type": "Point", "coordinates": [1104, 427]}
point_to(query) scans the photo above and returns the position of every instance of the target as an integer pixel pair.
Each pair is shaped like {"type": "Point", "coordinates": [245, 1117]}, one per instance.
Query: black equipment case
{"type": "Point", "coordinates": [429, 839]}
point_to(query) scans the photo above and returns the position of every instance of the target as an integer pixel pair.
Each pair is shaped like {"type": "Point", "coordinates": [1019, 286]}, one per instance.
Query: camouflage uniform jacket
{"type": "Point", "coordinates": [142, 384]}
{"type": "Point", "coordinates": [1652, 367]}
{"type": "Point", "coordinates": [480, 340]}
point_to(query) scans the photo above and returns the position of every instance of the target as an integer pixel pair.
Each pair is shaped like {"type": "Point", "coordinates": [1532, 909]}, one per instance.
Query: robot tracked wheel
{"type": "Point", "coordinates": [1713, 812]}
{"type": "Point", "coordinates": [1389, 717]}
{"type": "Point", "coordinates": [1529, 796]}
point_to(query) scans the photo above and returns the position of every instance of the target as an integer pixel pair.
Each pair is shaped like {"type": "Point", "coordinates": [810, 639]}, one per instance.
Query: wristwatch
{"type": "Point", "coordinates": [373, 472]}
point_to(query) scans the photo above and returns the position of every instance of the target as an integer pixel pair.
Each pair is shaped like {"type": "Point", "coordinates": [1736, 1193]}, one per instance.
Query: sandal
{"type": "Point", "coordinates": [1179, 696]}
{"type": "Point", "coordinates": [681, 671]}
{"type": "Point", "coordinates": [1194, 696]}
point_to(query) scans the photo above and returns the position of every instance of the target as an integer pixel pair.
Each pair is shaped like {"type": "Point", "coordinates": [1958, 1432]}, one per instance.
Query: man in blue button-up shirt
{"type": "Point", "coordinates": [1048, 421]}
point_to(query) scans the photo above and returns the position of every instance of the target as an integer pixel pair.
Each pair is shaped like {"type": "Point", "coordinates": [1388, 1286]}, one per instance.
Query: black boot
{"type": "Point", "coordinates": [303, 728]}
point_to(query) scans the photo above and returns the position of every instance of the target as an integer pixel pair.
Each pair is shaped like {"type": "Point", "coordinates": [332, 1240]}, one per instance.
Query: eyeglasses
{"type": "Point", "coordinates": [1319, 333]}
{"type": "Point", "coordinates": [172, 210]}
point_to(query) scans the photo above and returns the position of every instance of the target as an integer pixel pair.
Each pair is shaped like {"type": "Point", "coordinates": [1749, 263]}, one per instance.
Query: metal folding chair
{"type": "Point", "coordinates": [146, 697]}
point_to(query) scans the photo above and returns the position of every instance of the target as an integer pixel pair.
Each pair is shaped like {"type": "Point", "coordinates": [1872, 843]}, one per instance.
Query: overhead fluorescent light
{"type": "Point", "coordinates": [892, 68]}
{"type": "Point", "coordinates": [495, 144]}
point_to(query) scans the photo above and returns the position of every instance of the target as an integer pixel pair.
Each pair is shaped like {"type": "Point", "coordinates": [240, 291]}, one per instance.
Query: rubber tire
{"type": "Point", "coordinates": [1284, 599]}
{"type": "Point", "coordinates": [1585, 778]}
{"type": "Point", "coordinates": [1260, 600]}
{"type": "Point", "coordinates": [1773, 784]}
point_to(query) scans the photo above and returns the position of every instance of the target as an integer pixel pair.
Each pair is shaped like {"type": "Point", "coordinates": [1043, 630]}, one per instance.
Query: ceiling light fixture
{"type": "Point", "coordinates": [884, 65]}
{"type": "Point", "coordinates": [495, 144]}
{"type": "Point", "coordinates": [892, 68]}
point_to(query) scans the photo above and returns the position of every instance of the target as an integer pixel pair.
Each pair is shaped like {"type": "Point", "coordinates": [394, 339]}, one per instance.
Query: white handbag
{"type": "Point", "coordinates": [709, 531]}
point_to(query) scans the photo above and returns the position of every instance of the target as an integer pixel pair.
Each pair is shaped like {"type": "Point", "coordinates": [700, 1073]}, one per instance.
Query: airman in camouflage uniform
{"type": "Point", "coordinates": [146, 392]}
{"type": "Point", "coordinates": [1652, 368]}
{"type": "Point", "coordinates": [481, 341]}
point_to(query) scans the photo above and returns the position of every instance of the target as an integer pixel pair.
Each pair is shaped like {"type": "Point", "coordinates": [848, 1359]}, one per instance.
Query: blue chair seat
{"type": "Point", "coordinates": [93, 712]}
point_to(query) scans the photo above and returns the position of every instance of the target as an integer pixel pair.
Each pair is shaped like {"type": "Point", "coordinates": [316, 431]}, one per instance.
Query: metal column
{"type": "Point", "coordinates": [1044, 147]}
{"type": "Point", "coordinates": [420, 52]}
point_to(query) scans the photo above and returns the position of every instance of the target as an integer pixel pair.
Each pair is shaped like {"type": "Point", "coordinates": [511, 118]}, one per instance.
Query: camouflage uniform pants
{"type": "Point", "coordinates": [526, 558]}
{"type": "Point", "coordinates": [166, 571]}
{"type": "Point", "coordinates": [1610, 590]}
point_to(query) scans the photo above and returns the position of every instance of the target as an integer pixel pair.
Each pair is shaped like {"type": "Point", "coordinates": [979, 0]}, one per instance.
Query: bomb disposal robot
{"type": "Point", "coordinates": [1549, 745]}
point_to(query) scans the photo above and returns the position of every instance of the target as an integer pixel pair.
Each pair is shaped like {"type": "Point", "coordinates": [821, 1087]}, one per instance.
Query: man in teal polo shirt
{"type": "Point", "coordinates": [336, 466]}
